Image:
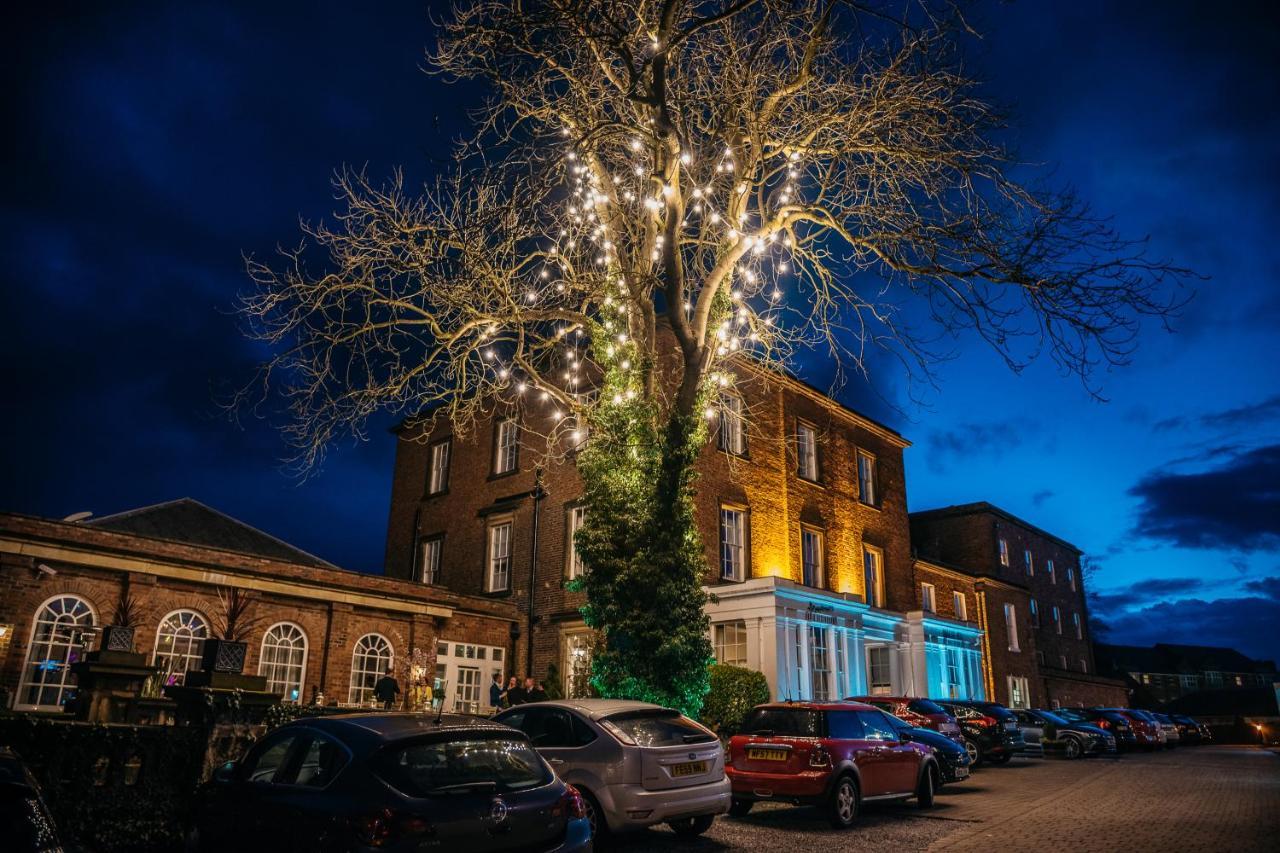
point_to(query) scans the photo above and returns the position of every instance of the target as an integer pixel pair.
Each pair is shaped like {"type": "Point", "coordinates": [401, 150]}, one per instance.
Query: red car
{"type": "Point", "coordinates": [836, 755]}
{"type": "Point", "coordinates": [921, 713]}
{"type": "Point", "coordinates": [1145, 728]}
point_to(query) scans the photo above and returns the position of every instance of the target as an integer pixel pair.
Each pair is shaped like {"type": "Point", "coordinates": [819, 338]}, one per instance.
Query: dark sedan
{"type": "Point", "coordinates": [1078, 739]}
{"type": "Point", "coordinates": [990, 730]}
{"type": "Point", "coordinates": [390, 782]}
{"type": "Point", "coordinates": [953, 758]}
{"type": "Point", "coordinates": [1117, 725]}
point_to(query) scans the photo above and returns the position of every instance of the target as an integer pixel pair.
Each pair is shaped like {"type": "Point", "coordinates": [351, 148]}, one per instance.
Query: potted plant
{"type": "Point", "coordinates": [118, 635]}
{"type": "Point", "coordinates": [233, 622]}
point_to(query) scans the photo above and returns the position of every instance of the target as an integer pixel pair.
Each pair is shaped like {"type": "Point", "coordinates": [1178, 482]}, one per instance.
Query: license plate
{"type": "Point", "coordinates": [767, 754]}
{"type": "Point", "coordinates": [689, 768]}
{"type": "Point", "coordinates": [962, 772]}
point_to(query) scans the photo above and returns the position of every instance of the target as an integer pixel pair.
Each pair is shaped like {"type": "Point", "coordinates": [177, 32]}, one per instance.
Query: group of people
{"type": "Point", "coordinates": [515, 693]}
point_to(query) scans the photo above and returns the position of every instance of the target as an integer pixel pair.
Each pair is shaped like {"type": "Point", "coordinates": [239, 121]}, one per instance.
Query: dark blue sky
{"type": "Point", "coordinates": [150, 145]}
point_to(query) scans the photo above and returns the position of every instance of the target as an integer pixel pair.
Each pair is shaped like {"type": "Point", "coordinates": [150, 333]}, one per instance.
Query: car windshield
{"type": "Point", "coordinates": [1072, 714]}
{"type": "Point", "coordinates": [660, 728]}
{"type": "Point", "coordinates": [794, 722]}
{"type": "Point", "coordinates": [1051, 717]}
{"type": "Point", "coordinates": [471, 764]}
{"type": "Point", "coordinates": [926, 706]}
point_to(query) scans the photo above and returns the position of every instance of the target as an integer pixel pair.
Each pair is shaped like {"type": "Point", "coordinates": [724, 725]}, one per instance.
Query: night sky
{"type": "Point", "coordinates": [151, 145]}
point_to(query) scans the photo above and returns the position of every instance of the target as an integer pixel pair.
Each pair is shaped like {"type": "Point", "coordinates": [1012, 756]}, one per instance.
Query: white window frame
{"type": "Point", "coordinates": [812, 552]}
{"type": "Point", "coordinates": [1057, 620]}
{"type": "Point", "coordinates": [1019, 691]}
{"type": "Point", "coordinates": [732, 435]}
{"type": "Point", "coordinates": [575, 662]}
{"type": "Point", "coordinates": [733, 548]}
{"type": "Point", "coordinates": [885, 687]}
{"type": "Point", "coordinates": [371, 656]}
{"type": "Point", "coordinates": [438, 475]}
{"type": "Point", "coordinates": [961, 605]}
{"type": "Point", "coordinates": [867, 480]}
{"type": "Point", "coordinates": [875, 594]}
{"type": "Point", "coordinates": [286, 665]}
{"type": "Point", "coordinates": [574, 517]}
{"type": "Point", "coordinates": [1028, 563]}
{"type": "Point", "coordinates": [819, 663]}
{"type": "Point", "coordinates": [1004, 552]}
{"type": "Point", "coordinates": [454, 656]}
{"type": "Point", "coordinates": [430, 552]}
{"type": "Point", "coordinates": [64, 636]}
{"type": "Point", "coordinates": [506, 446]}
{"type": "Point", "coordinates": [729, 639]}
{"type": "Point", "coordinates": [498, 553]}
{"type": "Point", "coordinates": [1011, 627]}
{"type": "Point", "coordinates": [185, 630]}
{"type": "Point", "coordinates": [928, 598]}
{"type": "Point", "coordinates": [806, 452]}
{"type": "Point", "coordinates": [1053, 575]}
{"type": "Point", "coordinates": [1035, 613]}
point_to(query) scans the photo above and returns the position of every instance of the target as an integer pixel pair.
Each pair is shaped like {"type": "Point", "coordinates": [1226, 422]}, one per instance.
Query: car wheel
{"type": "Point", "coordinates": [925, 790]}
{"type": "Point", "coordinates": [595, 816]}
{"type": "Point", "coordinates": [1073, 748]}
{"type": "Point", "coordinates": [740, 808]}
{"type": "Point", "coordinates": [690, 826]}
{"type": "Point", "coordinates": [974, 750]}
{"type": "Point", "coordinates": [843, 808]}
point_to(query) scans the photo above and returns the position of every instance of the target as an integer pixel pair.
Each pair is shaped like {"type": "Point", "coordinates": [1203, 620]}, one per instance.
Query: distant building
{"type": "Point", "coordinates": [1166, 671]}
{"type": "Point", "coordinates": [1029, 598]}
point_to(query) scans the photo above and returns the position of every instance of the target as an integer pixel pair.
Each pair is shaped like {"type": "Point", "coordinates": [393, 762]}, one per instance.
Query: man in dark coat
{"type": "Point", "coordinates": [495, 690]}
{"type": "Point", "coordinates": [386, 690]}
{"type": "Point", "coordinates": [517, 695]}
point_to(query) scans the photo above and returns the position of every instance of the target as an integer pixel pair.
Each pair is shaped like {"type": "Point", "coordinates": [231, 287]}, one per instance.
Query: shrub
{"type": "Point", "coordinates": [735, 690]}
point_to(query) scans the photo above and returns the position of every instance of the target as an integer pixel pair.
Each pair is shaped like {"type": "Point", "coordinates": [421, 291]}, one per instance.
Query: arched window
{"type": "Point", "coordinates": [284, 660]}
{"type": "Point", "coordinates": [369, 661]}
{"type": "Point", "coordinates": [57, 641]}
{"type": "Point", "coordinates": [179, 644]}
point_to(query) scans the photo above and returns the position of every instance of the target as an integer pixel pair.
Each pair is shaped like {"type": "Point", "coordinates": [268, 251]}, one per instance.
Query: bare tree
{"type": "Point", "coordinates": [741, 177]}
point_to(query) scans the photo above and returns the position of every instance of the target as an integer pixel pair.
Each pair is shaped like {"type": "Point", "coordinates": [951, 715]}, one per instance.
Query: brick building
{"type": "Point", "coordinates": [1168, 671]}
{"type": "Point", "coordinates": [801, 504]}
{"type": "Point", "coordinates": [319, 627]}
{"type": "Point", "coordinates": [1029, 596]}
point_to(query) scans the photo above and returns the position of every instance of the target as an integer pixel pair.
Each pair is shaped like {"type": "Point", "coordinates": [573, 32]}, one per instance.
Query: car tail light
{"type": "Point", "coordinates": [386, 827]}
{"type": "Point", "coordinates": [1103, 724]}
{"type": "Point", "coordinates": [571, 804]}
{"type": "Point", "coordinates": [819, 757]}
{"type": "Point", "coordinates": [987, 722]}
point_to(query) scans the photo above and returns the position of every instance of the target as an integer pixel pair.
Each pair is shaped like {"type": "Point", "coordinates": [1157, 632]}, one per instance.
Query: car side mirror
{"type": "Point", "coordinates": [226, 773]}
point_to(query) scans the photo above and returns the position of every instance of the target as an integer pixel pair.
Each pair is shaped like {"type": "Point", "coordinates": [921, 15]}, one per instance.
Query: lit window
{"type": "Point", "coordinates": [1019, 693]}
{"type": "Point", "coordinates": [927, 598]}
{"type": "Point", "coordinates": [819, 664]}
{"type": "Point", "coordinates": [811, 557]}
{"type": "Point", "coordinates": [732, 437]}
{"type": "Point", "coordinates": [370, 660]}
{"type": "Point", "coordinates": [1053, 578]}
{"type": "Point", "coordinates": [439, 478]}
{"type": "Point", "coordinates": [730, 641]}
{"type": "Point", "coordinates": [430, 560]}
{"type": "Point", "coordinates": [499, 575]}
{"type": "Point", "coordinates": [961, 606]}
{"type": "Point", "coordinates": [806, 452]}
{"type": "Point", "coordinates": [879, 675]}
{"type": "Point", "coordinates": [1004, 552]}
{"type": "Point", "coordinates": [576, 659]}
{"type": "Point", "coordinates": [1011, 627]}
{"type": "Point", "coordinates": [873, 575]}
{"type": "Point", "coordinates": [733, 544]}
{"type": "Point", "coordinates": [506, 446]}
{"type": "Point", "coordinates": [866, 478]}
{"type": "Point", "coordinates": [1057, 621]}
{"type": "Point", "coordinates": [1027, 563]}
{"type": "Point", "coordinates": [573, 523]}
{"type": "Point", "coordinates": [179, 644]}
{"type": "Point", "coordinates": [57, 642]}
{"type": "Point", "coordinates": [1075, 620]}
{"type": "Point", "coordinates": [1035, 614]}
{"type": "Point", "coordinates": [284, 660]}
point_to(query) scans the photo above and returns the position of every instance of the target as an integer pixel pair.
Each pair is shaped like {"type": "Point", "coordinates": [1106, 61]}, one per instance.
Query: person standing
{"type": "Point", "coordinates": [536, 691]}
{"type": "Point", "coordinates": [516, 694]}
{"type": "Point", "coordinates": [495, 691]}
{"type": "Point", "coordinates": [386, 690]}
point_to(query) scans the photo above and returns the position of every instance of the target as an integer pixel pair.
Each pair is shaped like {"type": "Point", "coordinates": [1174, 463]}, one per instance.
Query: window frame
{"type": "Point", "coordinates": [819, 676]}
{"type": "Point", "coordinates": [720, 641]}
{"type": "Point", "coordinates": [814, 533]}
{"type": "Point", "coordinates": [433, 469]}
{"type": "Point", "coordinates": [492, 524]}
{"type": "Point", "coordinates": [732, 410]}
{"type": "Point", "coordinates": [868, 486]}
{"type": "Point", "coordinates": [885, 688]}
{"type": "Point", "coordinates": [436, 539]}
{"type": "Point", "coordinates": [1051, 569]}
{"type": "Point", "coordinates": [1033, 608]}
{"type": "Point", "coordinates": [1071, 578]}
{"type": "Point", "coordinates": [962, 611]}
{"type": "Point", "coordinates": [67, 681]}
{"type": "Point", "coordinates": [1078, 623]}
{"type": "Point", "coordinates": [814, 475]}
{"type": "Point", "coordinates": [928, 597]}
{"type": "Point", "coordinates": [575, 515]}
{"type": "Point", "coordinates": [744, 550]}
{"type": "Point", "coordinates": [1003, 549]}
{"type": "Point", "coordinates": [190, 639]}
{"type": "Point", "coordinates": [1011, 626]}
{"type": "Point", "coordinates": [287, 665]}
{"type": "Point", "coordinates": [355, 694]}
{"type": "Point", "coordinates": [1057, 620]}
{"type": "Point", "coordinates": [876, 600]}
{"type": "Point", "coordinates": [1028, 563]}
{"type": "Point", "coordinates": [500, 449]}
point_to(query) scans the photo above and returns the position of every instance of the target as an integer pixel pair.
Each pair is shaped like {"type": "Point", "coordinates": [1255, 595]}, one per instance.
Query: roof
{"type": "Point", "coordinates": [1173, 658]}
{"type": "Point", "coordinates": [985, 508]}
{"type": "Point", "coordinates": [192, 523]}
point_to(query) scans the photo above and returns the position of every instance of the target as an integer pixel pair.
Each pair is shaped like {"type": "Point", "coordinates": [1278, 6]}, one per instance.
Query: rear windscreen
{"type": "Point", "coordinates": [794, 722]}
{"type": "Point", "coordinates": [924, 706]}
{"type": "Point", "coordinates": [440, 768]}
{"type": "Point", "coordinates": [662, 728]}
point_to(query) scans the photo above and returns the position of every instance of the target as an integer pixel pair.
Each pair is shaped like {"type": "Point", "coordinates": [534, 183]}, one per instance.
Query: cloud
{"type": "Point", "coordinates": [970, 439]}
{"type": "Point", "coordinates": [1039, 498]}
{"type": "Point", "coordinates": [1245, 623]}
{"type": "Point", "coordinates": [1234, 506]}
{"type": "Point", "coordinates": [1268, 587]}
{"type": "Point", "coordinates": [1227, 420]}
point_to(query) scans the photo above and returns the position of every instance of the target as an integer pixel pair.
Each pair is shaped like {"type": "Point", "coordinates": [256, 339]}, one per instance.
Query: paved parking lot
{"type": "Point", "coordinates": [1200, 798]}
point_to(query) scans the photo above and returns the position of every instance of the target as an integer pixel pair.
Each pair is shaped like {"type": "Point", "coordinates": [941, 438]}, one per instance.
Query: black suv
{"type": "Point", "coordinates": [991, 733]}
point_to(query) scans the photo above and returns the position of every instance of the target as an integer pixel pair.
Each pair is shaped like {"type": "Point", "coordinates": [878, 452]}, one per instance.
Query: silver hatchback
{"type": "Point", "coordinates": [636, 764]}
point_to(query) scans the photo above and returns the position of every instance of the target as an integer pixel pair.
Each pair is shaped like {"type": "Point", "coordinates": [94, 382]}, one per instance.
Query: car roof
{"type": "Point", "coordinates": [597, 709]}
{"type": "Point", "coordinates": [869, 699]}
{"type": "Point", "coordinates": [384, 727]}
{"type": "Point", "coordinates": [839, 705]}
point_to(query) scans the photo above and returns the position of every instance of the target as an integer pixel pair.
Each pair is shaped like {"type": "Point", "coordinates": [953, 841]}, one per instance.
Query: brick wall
{"type": "Point", "coordinates": [1074, 690]}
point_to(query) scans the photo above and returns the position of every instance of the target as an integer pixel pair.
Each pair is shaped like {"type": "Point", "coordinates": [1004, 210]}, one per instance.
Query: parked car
{"type": "Point", "coordinates": [1172, 735]}
{"type": "Point", "coordinates": [28, 826]}
{"type": "Point", "coordinates": [1188, 730]}
{"type": "Point", "coordinates": [390, 782]}
{"type": "Point", "coordinates": [990, 730]}
{"type": "Point", "coordinates": [1117, 725]}
{"type": "Point", "coordinates": [1079, 739]}
{"type": "Point", "coordinates": [636, 764]}
{"type": "Point", "coordinates": [836, 755]}
{"type": "Point", "coordinates": [920, 713]}
{"type": "Point", "coordinates": [1146, 730]}
{"type": "Point", "coordinates": [953, 758]}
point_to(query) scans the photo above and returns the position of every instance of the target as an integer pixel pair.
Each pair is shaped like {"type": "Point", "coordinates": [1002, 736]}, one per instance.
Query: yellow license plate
{"type": "Point", "coordinates": [767, 754]}
{"type": "Point", "coordinates": [689, 768]}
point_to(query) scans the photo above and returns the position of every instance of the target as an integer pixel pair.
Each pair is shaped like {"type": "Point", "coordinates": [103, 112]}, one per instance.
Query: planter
{"type": "Point", "coordinates": [223, 656]}
{"type": "Point", "coordinates": [116, 638]}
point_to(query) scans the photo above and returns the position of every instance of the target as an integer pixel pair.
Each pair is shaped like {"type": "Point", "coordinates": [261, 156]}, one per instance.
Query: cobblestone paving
{"type": "Point", "coordinates": [1196, 799]}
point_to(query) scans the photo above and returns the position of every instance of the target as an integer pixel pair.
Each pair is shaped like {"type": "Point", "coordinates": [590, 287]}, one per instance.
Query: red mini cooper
{"type": "Point", "coordinates": [837, 755]}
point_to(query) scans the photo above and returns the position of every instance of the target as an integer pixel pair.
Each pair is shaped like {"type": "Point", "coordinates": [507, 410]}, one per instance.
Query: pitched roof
{"type": "Point", "coordinates": [984, 507]}
{"type": "Point", "coordinates": [192, 523]}
{"type": "Point", "coordinates": [1173, 658]}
